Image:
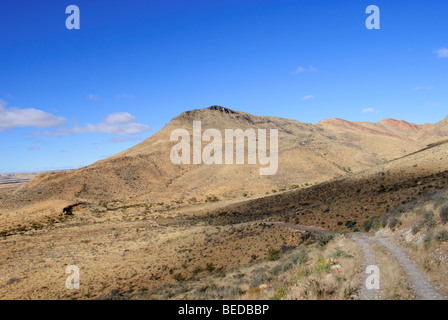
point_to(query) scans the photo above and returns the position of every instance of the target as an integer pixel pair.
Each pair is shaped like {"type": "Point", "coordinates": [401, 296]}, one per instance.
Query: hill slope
{"type": "Point", "coordinates": [308, 153]}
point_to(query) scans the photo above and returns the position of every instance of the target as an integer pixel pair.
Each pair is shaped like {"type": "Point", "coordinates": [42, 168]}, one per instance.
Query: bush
{"type": "Point", "coordinates": [259, 277]}
{"type": "Point", "coordinates": [281, 268]}
{"type": "Point", "coordinates": [338, 253]}
{"type": "Point", "coordinates": [367, 226]}
{"type": "Point", "coordinates": [179, 277]}
{"type": "Point", "coordinates": [323, 239]}
{"type": "Point", "coordinates": [442, 236]}
{"type": "Point", "coordinates": [429, 220]}
{"type": "Point", "coordinates": [300, 257]}
{"type": "Point", "coordinates": [393, 223]}
{"type": "Point", "coordinates": [444, 214]}
{"type": "Point", "coordinates": [417, 228]}
{"type": "Point", "coordinates": [350, 224]}
{"type": "Point", "coordinates": [322, 266]}
{"type": "Point", "coordinates": [273, 254]}
{"type": "Point", "coordinates": [428, 238]}
{"type": "Point", "coordinates": [209, 267]}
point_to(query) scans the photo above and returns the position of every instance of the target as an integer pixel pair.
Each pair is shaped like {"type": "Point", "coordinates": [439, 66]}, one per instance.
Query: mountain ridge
{"type": "Point", "coordinates": [308, 154]}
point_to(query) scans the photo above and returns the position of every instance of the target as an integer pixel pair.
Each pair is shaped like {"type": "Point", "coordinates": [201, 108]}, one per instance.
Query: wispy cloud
{"type": "Point", "coordinates": [442, 53]}
{"type": "Point", "coordinates": [94, 97]}
{"type": "Point", "coordinates": [368, 110]}
{"type": "Point", "coordinates": [423, 88]}
{"type": "Point", "coordinates": [34, 149]}
{"type": "Point", "coordinates": [120, 123]}
{"type": "Point", "coordinates": [303, 70]}
{"type": "Point", "coordinates": [308, 97]}
{"type": "Point", "coordinates": [15, 117]}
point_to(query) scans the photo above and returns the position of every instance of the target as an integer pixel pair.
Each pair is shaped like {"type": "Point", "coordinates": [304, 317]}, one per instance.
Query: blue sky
{"type": "Point", "coordinates": [71, 97]}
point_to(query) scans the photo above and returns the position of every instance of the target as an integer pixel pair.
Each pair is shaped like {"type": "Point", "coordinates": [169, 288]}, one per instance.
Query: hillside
{"type": "Point", "coordinates": [308, 154]}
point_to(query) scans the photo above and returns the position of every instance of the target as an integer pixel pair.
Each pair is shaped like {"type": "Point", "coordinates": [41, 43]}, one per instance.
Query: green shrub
{"type": "Point", "coordinates": [300, 257]}
{"type": "Point", "coordinates": [322, 266]}
{"type": "Point", "coordinates": [281, 268]}
{"type": "Point", "coordinates": [210, 267]}
{"type": "Point", "coordinates": [179, 277]}
{"type": "Point", "coordinates": [428, 238]}
{"type": "Point", "coordinates": [338, 253]}
{"type": "Point", "coordinates": [274, 254]}
{"type": "Point", "coordinates": [323, 239]}
{"type": "Point", "coordinates": [350, 224]}
{"type": "Point", "coordinates": [367, 226]}
{"type": "Point", "coordinates": [280, 294]}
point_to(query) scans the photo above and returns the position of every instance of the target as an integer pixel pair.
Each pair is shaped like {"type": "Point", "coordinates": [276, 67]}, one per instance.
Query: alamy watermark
{"type": "Point", "coordinates": [373, 278]}
{"type": "Point", "coordinates": [234, 147]}
{"type": "Point", "coordinates": [72, 281]}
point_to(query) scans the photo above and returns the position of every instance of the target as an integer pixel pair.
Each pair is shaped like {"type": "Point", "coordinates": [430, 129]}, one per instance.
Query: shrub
{"type": "Point", "coordinates": [209, 267]}
{"type": "Point", "coordinates": [428, 238]}
{"type": "Point", "coordinates": [179, 277]}
{"type": "Point", "coordinates": [322, 266]}
{"type": "Point", "coordinates": [281, 268]}
{"type": "Point", "coordinates": [323, 239]}
{"type": "Point", "coordinates": [442, 236]}
{"type": "Point", "coordinates": [338, 253]}
{"type": "Point", "coordinates": [417, 228]}
{"type": "Point", "coordinates": [259, 277]}
{"type": "Point", "coordinates": [280, 294]}
{"type": "Point", "coordinates": [273, 254]}
{"type": "Point", "coordinates": [300, 257]}
{"type": "Point", "coordinates": [444, 214]}
{"type": "Point", "coordinates": [393, 223]}
{"type": "Point", "coordinates": [212, 199]}
{"type": "Point", "coordinates": [350, 224]}
{"type": "Point", "coordinates": [429, 220]}
{"type": "Point", "coordinates": [367, 226]}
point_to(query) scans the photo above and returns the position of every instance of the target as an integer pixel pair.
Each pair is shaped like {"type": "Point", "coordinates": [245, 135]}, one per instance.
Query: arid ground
{"type": "Point", "coordinates": [140, 227]}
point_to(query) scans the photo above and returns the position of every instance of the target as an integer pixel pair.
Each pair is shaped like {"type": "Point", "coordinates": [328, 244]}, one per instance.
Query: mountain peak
{"type": "Point", "coordinates": [221, 109]}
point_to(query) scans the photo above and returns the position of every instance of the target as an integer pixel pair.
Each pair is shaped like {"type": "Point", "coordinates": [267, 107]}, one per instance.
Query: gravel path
{"type": "Point", "coordinates": [369, 260]}
{"type": "Point", "coordinates": [297, 227]}
{"type": "Point", "coordinates": [423, 289]}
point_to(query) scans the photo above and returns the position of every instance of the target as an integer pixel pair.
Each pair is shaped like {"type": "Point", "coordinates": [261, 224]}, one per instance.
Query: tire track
{"type": "Point", "coordinates": [369, 260]}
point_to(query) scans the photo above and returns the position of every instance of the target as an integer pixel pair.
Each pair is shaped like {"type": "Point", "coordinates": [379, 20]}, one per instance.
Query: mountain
{"type": "Point", "coordinates": [308, 154]}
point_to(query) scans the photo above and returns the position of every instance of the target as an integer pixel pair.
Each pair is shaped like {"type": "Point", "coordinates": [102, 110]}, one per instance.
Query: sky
{"type": "Point", "coordinates": [69, 98]}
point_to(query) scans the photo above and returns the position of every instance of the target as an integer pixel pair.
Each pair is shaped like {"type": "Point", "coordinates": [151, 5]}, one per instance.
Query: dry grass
{"type": "Point", "coordinates": [394, 284]}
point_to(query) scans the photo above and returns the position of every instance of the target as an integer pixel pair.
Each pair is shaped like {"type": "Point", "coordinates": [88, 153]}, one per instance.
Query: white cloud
{"type": "Point", "coordinates": [34, 149]}
{"type": "Point", "coordinates": [368, 110]}
{"type": "Point", "coordinates": [308, 97]}
{"type": "Point", "coordinates": [93, 97]}
{"type": "Point", "coordinates": [442, 53]}
{"type": "Point", "coordinates": [14, 117]}
{"type": "Point", "coordinates": [423, 88]}
{"type": "Point", "coordinates": [120, 123]}
{"type": "Point", "coordinates": [303, 70]}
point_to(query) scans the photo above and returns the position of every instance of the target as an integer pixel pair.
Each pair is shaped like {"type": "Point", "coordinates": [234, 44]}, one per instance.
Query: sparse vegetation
{"type": "Point", "coordinates": [442, 236]}
{"type": "Point", "coordinates": [444, 214]}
